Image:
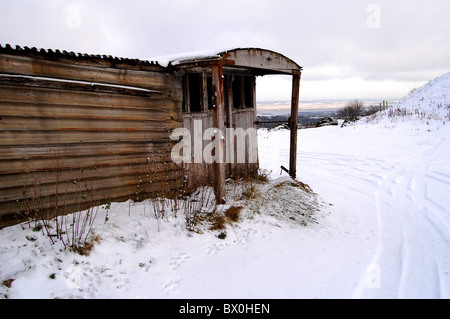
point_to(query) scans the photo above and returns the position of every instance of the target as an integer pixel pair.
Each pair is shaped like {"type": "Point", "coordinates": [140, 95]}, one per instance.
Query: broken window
{"type": "Point", "coordinates": [192, 97]}
{"type": "Point", "coordinates": [237, 92]}
{"type": "Point", "coordinates": [248, 91]}
{"type": "Point", "coordinates": [242, 91]}
{"type": "Point", "coordinates": [195, 92]}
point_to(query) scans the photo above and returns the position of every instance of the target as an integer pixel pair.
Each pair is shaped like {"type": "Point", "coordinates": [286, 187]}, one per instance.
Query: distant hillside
{"type": "Point", "coordinates": [306, 119]}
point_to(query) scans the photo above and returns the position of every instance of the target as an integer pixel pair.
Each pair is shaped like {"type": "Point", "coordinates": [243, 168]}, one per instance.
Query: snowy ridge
{"type": "Point", "coordinates": [432, 97]}
{"type": "Point", "coordinates": [430, 103]}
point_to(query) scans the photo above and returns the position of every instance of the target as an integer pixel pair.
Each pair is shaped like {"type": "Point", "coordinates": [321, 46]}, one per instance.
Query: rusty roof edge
{"type": "Point", "coordinates": [49, 53]}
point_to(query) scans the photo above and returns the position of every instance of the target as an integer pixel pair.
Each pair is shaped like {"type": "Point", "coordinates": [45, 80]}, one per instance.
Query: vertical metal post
{"type": "Point", "coordinates": [294, 124]}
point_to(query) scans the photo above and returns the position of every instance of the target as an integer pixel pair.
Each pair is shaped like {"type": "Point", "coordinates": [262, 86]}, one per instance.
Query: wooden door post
{"type": "Point", "coordinates": [219, 124]}
{"type": "Point", "coordinates": [294, 124]}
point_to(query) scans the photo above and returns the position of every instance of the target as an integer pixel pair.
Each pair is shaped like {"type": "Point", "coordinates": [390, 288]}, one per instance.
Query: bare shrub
{"type": "Point", "coordinates": [352, 111]}
{"type": "Point", "coordinates": [46, 205]}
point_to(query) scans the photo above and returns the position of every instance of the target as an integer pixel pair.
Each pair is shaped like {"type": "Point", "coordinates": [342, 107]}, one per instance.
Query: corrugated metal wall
{"type": "Point", "coordinates": [81, 131]}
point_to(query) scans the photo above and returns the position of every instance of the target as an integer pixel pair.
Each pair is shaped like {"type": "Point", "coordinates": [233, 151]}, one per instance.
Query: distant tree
{"type": "Point", "coordinates": [352, 111]}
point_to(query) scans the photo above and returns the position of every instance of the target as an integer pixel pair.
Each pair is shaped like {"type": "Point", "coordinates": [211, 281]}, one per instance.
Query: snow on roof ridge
{"type": "Point", "coordinates": [177, 58]}
{"type": "Point", "coordinates": [174, 59]}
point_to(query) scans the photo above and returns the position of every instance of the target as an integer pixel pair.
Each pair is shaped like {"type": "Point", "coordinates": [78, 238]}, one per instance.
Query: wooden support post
{"type": "Point", "coordinates": [219, 124]}
{"type": "Point", "coordinates": [294, 124]}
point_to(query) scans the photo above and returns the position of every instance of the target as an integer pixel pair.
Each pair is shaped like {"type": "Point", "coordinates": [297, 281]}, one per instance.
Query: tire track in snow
{"type": "Point", "coordinates": [410, 261]}
{"type": "Point", "coordinates": [357, 177]}
{"type": "Point", "coordinates": [411, 253]}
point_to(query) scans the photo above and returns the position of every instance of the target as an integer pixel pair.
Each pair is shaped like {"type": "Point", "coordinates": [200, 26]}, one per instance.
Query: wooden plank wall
{"type": "Point", "coordinates": [73, 144]}
{"type": "Point", "coordinates": [198, 173]}
{"type": "Point", "coordinates": [244, 118]}
{"type": "Point", "coordinates": [201, 173]}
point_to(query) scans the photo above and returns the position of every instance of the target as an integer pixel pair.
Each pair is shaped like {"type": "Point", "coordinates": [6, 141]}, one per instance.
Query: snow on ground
{"type": "Point", "coordinates": [376, 226]}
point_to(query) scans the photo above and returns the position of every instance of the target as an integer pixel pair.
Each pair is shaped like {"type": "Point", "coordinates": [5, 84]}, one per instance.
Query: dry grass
{"type": "Point", "coordinates": [304, 187]}
{"type": "Point", "coordinates": [219, 221]}
{"type": "Point", "coordinates": [86, 248]}
{"type": "Point", "coordinates": [233, 213]}
{"type": "Point", "coordinates": [250, 191]}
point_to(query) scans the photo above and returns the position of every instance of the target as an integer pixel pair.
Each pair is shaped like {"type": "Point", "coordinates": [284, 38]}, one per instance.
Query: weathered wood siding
{"type": "Point", "coordinates": [202, 173]}
{"type": "Point", "coordinates": [198, 173]}
{"type": "Point", "coordinates": [101, 137]}
{"type": "Point", "coordinates": [244, 119]}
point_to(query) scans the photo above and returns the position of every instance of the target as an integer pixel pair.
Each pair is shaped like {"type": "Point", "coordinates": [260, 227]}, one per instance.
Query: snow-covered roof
{"type": "Point", "coordinates": [178, 58]}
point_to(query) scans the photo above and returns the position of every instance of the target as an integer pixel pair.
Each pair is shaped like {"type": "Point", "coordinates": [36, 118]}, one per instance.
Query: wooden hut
{"type": "Point", "coordinates": [78, 130]}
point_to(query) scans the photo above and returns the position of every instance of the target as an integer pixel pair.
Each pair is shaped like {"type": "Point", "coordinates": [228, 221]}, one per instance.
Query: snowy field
{"type": "Point", "coordinates": [378, 225]}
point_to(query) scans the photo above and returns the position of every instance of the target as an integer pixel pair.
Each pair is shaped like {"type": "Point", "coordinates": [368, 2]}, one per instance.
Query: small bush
{"type": "Point", "coordinates": [352, 111]}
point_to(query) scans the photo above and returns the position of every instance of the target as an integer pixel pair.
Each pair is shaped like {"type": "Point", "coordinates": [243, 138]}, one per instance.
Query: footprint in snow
{"type": "Point", "coordinates": [170, 285]}
{"type": "Point", "coordinates": [178, 260]}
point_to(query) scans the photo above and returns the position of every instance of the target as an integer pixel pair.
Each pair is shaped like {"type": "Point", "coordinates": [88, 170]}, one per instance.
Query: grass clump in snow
{"type": "Point", "coordinates": [86, 248]}
{"type": "Point", "coordinates": [220, 220]}
{"type": "Point", "coordinates": [250, 192]}
{"type": "Point", "coordinates": [232, 213]}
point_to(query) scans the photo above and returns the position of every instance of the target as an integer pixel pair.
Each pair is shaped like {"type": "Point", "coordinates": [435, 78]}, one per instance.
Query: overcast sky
{"type": "Point", "coordinates": [348, 48]}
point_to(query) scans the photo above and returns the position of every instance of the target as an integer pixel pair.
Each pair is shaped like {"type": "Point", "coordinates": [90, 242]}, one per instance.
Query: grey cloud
{"type": "Point", "coordinates": [411, 44]}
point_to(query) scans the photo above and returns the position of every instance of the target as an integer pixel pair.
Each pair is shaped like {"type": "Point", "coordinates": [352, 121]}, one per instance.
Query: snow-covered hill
{"type": "Point", "coordinates": [376, 226]}
{"type": "Point", "coordinates": [429, 104]}
{"type": "Point", "coordinates": [432, 99]}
